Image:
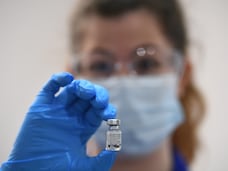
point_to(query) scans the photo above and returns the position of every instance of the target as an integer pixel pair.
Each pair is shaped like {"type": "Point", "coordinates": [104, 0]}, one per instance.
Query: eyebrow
{"type": "Point", "coordinates": [103, 52]}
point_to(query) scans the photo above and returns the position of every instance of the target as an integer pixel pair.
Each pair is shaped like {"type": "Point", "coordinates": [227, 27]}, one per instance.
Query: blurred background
{"type": "Point", "coordinates": [34, 45]}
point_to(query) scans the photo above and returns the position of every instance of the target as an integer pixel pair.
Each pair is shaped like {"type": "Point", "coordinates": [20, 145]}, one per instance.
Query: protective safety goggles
{"type": "Point", "coordinates": [148, 60]}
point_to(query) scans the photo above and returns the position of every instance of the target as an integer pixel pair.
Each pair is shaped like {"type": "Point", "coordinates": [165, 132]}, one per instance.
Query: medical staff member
{"type": "Point", "coordinates": [138, 51]}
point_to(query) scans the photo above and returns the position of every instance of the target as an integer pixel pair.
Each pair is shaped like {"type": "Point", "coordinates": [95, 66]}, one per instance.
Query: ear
{"type": "Point", "coordinates": [186, 77]}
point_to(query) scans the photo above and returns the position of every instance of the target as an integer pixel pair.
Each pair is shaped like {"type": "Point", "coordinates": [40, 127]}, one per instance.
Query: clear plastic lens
{"type": "Point", "coordinates": [148, 60]}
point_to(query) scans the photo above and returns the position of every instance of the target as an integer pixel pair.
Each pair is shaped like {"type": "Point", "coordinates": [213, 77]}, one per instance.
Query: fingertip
{"type": "Point", "coordinates": [109, 112]}
{"type": "Point", "coordinates": [62, 78]}
{"type": "Point", "coordinates": [52, 86]}
{"type": "Point", "coordinates": [85, 89]}
{"type": "Point", "coordinates": [101, 99]}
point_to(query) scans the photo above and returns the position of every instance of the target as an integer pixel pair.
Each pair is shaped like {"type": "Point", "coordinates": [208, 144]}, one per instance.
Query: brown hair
{"type": "Point", "coordinates": [170, 16]}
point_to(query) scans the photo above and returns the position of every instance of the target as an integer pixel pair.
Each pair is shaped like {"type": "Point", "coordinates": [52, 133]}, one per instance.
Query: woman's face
{"type": "Point", "coordinates": [133, 43]}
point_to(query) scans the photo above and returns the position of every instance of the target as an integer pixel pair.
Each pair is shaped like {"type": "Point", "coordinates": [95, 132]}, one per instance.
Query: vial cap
{"type": "Point", "coordinates": [113, 122]}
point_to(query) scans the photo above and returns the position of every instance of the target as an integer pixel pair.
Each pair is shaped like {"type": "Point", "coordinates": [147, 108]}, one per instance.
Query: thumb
{"type": "Point", "coordinates": [102, 162]}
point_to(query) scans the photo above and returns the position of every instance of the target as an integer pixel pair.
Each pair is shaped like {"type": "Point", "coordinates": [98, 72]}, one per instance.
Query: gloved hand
{"type": "Point", "coordinates": [57, 127]}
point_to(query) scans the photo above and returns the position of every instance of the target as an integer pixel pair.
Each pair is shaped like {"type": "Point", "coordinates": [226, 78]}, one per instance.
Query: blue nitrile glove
{"type": "Point", "coordinates": [57, 126]}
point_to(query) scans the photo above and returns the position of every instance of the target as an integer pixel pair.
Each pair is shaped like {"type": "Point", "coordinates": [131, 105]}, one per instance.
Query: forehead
{"type": "Point", "coordinates": [124, 32]}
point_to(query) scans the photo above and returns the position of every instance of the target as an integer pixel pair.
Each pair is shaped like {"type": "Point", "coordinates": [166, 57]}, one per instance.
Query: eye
{"type": "Point", "coordinates": [146, 65]}
{"type": "Point", "coordinates": [101, 68]}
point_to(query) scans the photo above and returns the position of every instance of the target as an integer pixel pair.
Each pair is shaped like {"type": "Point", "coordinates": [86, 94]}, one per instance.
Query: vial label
{"type": "Point", "coordinates": [113, 135]}
{"type": "Point", "coordinates": [113, 141]}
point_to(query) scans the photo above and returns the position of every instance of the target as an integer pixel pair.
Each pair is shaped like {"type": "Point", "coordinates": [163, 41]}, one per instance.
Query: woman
{"type": "Point", "coordinates": [107, 35]}
{"type": "Point", "coordinates": [137, 50]}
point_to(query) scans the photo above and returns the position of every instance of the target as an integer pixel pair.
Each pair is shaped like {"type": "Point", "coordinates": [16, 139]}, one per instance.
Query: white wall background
{"type": "Point", "coordinates": [33, 45]}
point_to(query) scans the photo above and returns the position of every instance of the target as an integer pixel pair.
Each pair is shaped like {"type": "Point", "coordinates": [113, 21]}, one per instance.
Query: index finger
{"type": "Point", "coordinates": [47, 94]}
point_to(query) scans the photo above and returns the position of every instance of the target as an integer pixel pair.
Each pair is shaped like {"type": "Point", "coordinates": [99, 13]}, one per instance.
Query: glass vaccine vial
{"type": "Point", "coordinates": [113, 135]}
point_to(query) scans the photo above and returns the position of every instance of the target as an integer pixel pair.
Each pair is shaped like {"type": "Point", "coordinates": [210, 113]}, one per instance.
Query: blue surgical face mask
{"type": "Point", "coordinates": [148, 108]}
